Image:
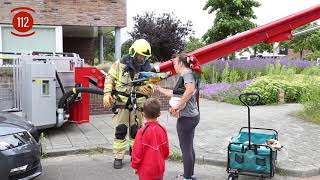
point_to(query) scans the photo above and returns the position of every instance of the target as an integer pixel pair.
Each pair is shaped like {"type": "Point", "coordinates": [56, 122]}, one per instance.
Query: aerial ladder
{"type": "Point", "coordinates": [276, 31]}
{"type": "Point", "coordinates": [47, 107]}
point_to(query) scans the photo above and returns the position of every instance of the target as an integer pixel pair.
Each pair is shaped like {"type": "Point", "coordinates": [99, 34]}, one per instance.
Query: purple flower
{"type": "Point", "coordinates": [258, 64]}
{"type": "Point", "coordinates": [219, 91]}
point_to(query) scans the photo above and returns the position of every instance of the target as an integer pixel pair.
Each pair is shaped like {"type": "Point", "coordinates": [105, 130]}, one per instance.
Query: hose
{"type": "Point", "coordinates": [70, 101]}
{"type": "Point", "coordinates": [60, 84]}
{"type": "Point", "coordinates": [77, 90]}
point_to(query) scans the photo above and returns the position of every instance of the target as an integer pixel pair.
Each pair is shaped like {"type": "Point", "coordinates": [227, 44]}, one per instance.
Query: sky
{"type": "Point", "coordinates": [269, 11]}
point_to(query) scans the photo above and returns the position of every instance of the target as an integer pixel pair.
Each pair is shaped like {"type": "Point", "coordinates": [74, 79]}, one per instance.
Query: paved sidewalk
{"type": "Point", "coordinates": [219, 121]}
{"type": "Point", "coordinates": [96, 166]}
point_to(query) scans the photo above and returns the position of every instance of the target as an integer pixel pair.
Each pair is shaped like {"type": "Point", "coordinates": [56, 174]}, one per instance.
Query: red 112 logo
{"type": "Point", "coordinates": [22, 22]}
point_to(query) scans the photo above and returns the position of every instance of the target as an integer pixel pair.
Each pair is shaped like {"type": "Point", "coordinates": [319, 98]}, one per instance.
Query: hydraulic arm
{"type": "Point", "coordinates": [276, 31]}
{"type": "Point", "coordinates": [279, 30]}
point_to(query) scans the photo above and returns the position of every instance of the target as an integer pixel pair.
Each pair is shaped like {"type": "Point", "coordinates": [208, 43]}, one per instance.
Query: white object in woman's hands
{"type": "Point", "coordinates": [174, 110]}
{"type": "Point", "coordinates": [174, 101]}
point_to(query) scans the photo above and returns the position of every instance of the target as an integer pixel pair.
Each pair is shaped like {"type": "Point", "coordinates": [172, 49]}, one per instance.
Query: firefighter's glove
{"type": "Point", "coordinates": [108, 100]}
{"type": "Point", "coordinates": [146, 89]}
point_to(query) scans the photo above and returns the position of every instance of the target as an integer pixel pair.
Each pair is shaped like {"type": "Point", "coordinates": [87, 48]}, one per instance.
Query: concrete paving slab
{"type": "Point", "coordinates": [219, 121]}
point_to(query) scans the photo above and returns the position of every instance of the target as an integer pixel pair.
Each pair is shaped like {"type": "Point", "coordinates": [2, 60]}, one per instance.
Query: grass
{"type": "Point", "coordinates": [94, 151]}
{"type": "Point", "coordinates": [311, 104]}
{"type": "Point", "coordinates": [175, 154]}
{"type": "Point", "coordinates": [313, 117]}
{"type": "Point", "coordinates": [43, 146]}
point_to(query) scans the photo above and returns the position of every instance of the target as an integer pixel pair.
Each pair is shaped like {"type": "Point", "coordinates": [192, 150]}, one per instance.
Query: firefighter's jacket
{"type": "Point", "coordinates": [122, 72]}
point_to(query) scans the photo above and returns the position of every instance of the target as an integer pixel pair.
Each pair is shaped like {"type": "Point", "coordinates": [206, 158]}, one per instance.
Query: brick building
{"type": "Point", "coordinates": [63, 26]}
{"type": "Point", "coordinates": [67, 26]}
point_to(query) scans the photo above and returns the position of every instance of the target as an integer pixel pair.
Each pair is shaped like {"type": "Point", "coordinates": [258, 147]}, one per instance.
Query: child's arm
{"type": "Point", "coordinates": [137, 151]}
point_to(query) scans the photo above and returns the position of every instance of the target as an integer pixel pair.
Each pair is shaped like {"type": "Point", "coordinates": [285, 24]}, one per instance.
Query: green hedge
{"type": "Point", "coordinates": [311, 103]}
{"type": "Point", "coordinates": [293, 87]}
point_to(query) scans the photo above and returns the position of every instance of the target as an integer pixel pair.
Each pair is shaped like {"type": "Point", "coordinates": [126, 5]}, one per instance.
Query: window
{"type": "Point", "coordinates": [43, 40]}
{"type": "Point", "coordinates": [45, 88]}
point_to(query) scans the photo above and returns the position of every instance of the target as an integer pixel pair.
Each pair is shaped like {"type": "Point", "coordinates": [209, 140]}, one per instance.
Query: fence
{"type": "Point", "coordinates": [6, 91]}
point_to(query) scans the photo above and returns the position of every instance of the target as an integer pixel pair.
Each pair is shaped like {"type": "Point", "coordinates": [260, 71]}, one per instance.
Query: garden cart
{"type": "Point", "coordinates": [248, 153]}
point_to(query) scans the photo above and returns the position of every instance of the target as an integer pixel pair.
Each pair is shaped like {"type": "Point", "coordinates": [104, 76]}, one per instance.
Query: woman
{"type": "Point", "coordinates": [187, 111]}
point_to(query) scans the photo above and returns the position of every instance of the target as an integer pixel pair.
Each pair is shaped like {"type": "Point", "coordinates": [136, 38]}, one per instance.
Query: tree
{"type": "Point", "coordinates": [109, 41]}
{"type": "Point", "coordinates": [232, 17]}
{"type": "Point", "coordinates": [259, 48]}
{"type": "Point", "coordinates": [309, 41]}
{"type": "Point", "coordinates": [125, 46]}
{"type": "Point", "coordinates": [108, 45]}
{"type": "Point", "coordinates": [313, 56]}
{"type": "Point", "coordinates": [165, 33]}
{"type": "Point", "coordinates": [193, 44]}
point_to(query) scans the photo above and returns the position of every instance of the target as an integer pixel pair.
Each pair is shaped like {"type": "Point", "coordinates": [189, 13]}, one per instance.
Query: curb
{"type": "Point", "coordinates": [201, 161]}
{"type": "Point", "coordinates": [298, 173]}
{"type": "Point", "coordinates": [77, 150]}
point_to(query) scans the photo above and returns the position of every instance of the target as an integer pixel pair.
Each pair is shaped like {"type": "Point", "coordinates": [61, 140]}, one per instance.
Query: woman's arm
{"type": "Point", "coordinates": [166, 92]}
{"type": "Point", "coordinates": [190, 88]}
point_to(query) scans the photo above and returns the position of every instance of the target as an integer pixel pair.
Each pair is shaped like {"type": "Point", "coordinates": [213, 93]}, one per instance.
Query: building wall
{"type": "Point", "coordinates": [70, 12]}
{"type": "Point", "coordinates": [296, 55]}
{"type": "Point", "coordinates": [82, 46]}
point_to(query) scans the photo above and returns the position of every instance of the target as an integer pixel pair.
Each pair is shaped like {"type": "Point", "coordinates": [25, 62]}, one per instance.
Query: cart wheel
{"type": "Point", "coordinates": [232, 177]}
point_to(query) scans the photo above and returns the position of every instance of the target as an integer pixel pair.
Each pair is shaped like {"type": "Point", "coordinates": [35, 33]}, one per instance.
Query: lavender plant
{"type": "Point", "coordinates": [220, 71]}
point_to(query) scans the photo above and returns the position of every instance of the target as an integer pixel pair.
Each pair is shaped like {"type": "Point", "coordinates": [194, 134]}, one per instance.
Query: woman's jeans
{"type": "Point", "coordinates": [185, 128]}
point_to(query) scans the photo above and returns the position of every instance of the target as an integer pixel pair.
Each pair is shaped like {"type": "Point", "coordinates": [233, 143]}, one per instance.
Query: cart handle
{"type": "Point", "coordinates": [245, 102]}
{"type": "Point", "coordinates": [244, 98]}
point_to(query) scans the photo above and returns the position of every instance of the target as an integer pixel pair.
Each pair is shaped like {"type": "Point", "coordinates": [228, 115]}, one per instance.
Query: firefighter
{"type": "Point", "coordinates": [127, 119]}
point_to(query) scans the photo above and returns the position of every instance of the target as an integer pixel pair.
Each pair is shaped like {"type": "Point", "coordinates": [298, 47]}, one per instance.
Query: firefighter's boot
{"type": "Point", "coordinates": [117, 164]}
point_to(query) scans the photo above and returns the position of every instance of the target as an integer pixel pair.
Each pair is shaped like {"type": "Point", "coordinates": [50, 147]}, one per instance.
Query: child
{"type": "Point", "coordinates": [151, 146]}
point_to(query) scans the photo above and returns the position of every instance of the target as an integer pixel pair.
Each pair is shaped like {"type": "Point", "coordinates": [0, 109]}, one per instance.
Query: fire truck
{"type": "Point", "coordinates": [51, 89]}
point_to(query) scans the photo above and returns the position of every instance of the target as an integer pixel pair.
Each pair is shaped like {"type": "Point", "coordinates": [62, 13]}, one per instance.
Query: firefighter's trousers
{"type": "Point", "coordinates": [124, 133]}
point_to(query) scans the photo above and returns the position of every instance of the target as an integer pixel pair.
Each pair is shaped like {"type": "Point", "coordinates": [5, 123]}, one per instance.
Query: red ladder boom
{"type": "Point", "coordinates": [279, 30]}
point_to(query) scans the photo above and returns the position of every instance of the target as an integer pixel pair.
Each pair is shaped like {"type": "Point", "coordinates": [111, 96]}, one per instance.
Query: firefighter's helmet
{"type": "Point", "coordinates": [140, 46]}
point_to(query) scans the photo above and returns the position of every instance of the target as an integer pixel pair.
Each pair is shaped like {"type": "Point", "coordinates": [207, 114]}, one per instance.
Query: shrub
{"type": "Point", "coordinates": [294, 86]}
{"type": "Point", "coordinates": [239, 70]}
{"type": "Point", "coordinates": [225, 74]}
{"type": "Point", "coordinates": [314, 70]}
{"type": "Point", "coordinates": [209, 74]}
{"type": "Point", "coordinates": [267, 89]}
{"type": "Point", "coordinates": [311, 103]}
{"type": "Point", "coordinates": [234, 76]}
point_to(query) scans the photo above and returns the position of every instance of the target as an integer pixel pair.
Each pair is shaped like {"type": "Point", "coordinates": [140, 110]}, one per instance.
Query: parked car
{"type": "Point", "coordinates": [20, 151]}
{"type": "Point", "coordinates": [244, 58]}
